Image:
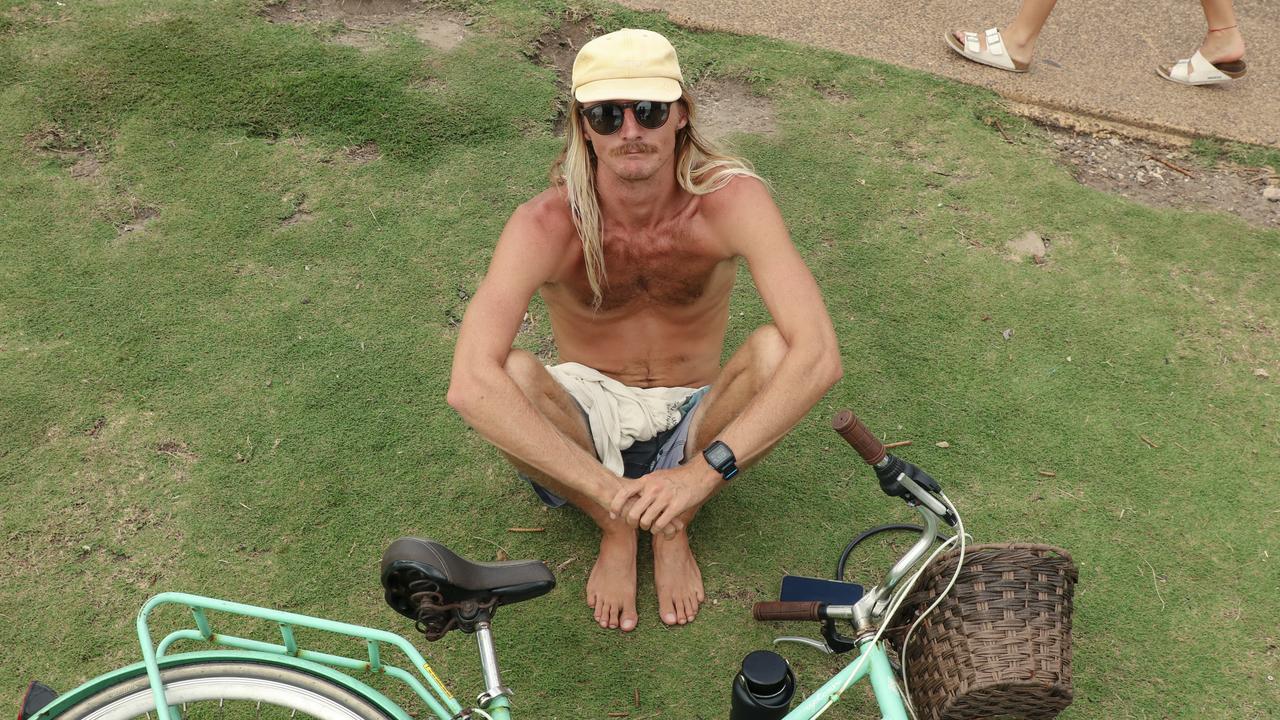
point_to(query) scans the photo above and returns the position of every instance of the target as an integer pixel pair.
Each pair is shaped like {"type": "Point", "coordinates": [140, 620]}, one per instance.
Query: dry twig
{"type": "Point", "coordinates": [1155, 579]}
{"type": "Point", "coordinates": [1171, 166]}
{"type": "Point", "coordinates": [1147, 440]}
{"type": "Point", "coordinates": [1002, 132]}
{"type": "Point", "coordinates": [892, 445]}
{"type": "Point", "coordinates": [528, 529]}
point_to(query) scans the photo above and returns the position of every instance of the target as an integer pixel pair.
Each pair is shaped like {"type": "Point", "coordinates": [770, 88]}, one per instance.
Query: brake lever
{"type": "Point", "coordinates": [819, 646]}
{"type": "Point", "coordinates": [899, 478]}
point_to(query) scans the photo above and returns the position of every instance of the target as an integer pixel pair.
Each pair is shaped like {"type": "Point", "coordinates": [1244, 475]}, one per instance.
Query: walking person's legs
{"type": "Point", "coordinates": [1223, 42]}
{"type": "Point", "coordinates": [1018, 37]}
{"type": "Point", "coordinates": [1220, 57]}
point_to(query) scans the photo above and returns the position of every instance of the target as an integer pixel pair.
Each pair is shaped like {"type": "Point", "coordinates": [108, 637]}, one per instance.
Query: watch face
{"type": "Point", "coordinates": [718, 455]}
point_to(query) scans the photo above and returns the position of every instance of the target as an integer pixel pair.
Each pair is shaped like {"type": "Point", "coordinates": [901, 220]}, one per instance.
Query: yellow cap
{"type": "Point", "coordinates": [627, 65]}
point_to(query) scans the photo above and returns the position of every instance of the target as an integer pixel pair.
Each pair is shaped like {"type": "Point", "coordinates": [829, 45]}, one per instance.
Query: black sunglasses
{"type": "Point", "coordinates": [606, 117]}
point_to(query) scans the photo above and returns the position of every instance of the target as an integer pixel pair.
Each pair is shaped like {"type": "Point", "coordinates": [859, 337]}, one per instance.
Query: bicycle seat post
{"type": "Point", "coordinates": [493, 687]}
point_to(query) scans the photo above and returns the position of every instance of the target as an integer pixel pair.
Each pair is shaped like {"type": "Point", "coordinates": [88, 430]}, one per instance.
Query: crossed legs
{"type": "Point", "coordinates": [611, 588]}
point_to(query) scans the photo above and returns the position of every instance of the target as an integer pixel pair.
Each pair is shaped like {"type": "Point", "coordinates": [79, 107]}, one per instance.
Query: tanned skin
{"type": "Point", "coordinates": [671, 259]}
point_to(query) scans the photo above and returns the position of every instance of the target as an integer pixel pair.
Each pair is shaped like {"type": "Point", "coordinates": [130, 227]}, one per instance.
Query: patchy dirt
{"type": "Point", "coordinates": [178, 449]}
{"type": "Point", "coordinates": [726, 106]}
{"type": "Point", "coordinates": [367, 23]}
{"type": "Point", "coordinates": [142, 216]}
{"type": "Point", "coordinates": [441, 32]}
{"type": "Point", "coordinates": [51, 141]}
{"type": "Point", "coordinates": [86, 166]}
{"type": "Point", "coordinates": [364, 153]}
{"type": "Point", "coordinates": [556, 49]}
{"type": "Point", "coordinates": [1167, 177]}
{"type": "Point", "coordinates": [301, 211]}
{"type": "Point", "coordinates": [1031, 245]}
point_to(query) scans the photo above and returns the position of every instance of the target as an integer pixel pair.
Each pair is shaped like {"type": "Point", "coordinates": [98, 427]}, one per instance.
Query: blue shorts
{"type": "Point", "coordinates": [664, 450]}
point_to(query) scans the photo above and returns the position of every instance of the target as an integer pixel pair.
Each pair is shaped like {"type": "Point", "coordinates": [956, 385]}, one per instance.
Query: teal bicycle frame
{"type": "Point", "coordinates": [872, 662]}
{"type": "Point", "coordinates": [325, 665]}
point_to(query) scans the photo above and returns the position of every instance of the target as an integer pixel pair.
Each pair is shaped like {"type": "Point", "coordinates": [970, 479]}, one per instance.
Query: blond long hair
{"type": "Point", "coordinates": [701, 168]}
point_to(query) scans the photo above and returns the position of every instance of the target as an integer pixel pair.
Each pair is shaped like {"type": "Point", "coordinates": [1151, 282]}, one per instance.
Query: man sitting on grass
{"type": "Point", "coordinates": [634, 249]}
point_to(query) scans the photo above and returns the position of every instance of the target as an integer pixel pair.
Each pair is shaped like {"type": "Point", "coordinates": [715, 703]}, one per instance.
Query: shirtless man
{"type": "Point", "coordinates": [634, 250]}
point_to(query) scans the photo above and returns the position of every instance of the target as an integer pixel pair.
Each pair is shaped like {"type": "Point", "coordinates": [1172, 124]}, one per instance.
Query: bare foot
{"type": "Point", "coordinates": [677, 579]}
{"type": "Point", "coordinates": [611, 589]}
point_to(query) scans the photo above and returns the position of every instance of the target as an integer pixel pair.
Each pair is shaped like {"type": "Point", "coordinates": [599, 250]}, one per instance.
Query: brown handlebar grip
{"type": "Point", "coordinates": [857, 435]}
{"type": "Point", "coordinates": [776, 610]}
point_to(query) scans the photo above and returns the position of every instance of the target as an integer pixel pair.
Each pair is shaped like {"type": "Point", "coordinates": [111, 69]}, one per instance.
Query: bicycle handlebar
{"type": "Point", "coordinates": [859, 436]}
{"type": "Point", "coordinates": [778, 610]}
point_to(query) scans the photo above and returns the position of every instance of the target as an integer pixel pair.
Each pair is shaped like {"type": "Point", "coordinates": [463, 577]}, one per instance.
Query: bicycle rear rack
{"type": "Point", "coordinates": [438, 698]}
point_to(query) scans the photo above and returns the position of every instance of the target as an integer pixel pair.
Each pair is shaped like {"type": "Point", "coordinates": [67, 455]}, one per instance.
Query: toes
{"type": "Point", "coordinates": [669, 611]}
{"type": "Point", "coordinates": [629, 618]}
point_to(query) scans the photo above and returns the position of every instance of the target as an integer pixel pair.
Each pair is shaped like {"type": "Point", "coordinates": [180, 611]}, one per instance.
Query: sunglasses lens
{"type": "Point", "coordinates": [604, 118]}
{"type": "Point", "coordinates": [652, 115]}
{"type": "Point", "coordinates": [607, 117]}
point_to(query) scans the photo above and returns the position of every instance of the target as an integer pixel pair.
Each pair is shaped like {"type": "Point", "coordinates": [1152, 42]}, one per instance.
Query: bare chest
{"type": "Point", "coordinates": [667, 269]}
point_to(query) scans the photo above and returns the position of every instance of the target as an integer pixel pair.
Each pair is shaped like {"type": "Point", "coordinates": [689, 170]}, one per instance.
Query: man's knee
{"type": "Point", "coordinates": [767, 348]}
{"type": "Point", "coordinates": [525, 369]}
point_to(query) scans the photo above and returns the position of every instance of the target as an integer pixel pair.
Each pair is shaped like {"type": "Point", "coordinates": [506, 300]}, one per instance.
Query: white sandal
{"type": "Point", "coordinates": [994, 55]}
{"type": "Point", "coordinates": [1195, 70]}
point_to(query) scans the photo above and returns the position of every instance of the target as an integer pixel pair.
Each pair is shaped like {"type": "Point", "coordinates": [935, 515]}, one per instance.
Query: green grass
{"type": "Point", "coordinates": [1211, 150]}
{"type": "Point", "coordinates": [224, 403]}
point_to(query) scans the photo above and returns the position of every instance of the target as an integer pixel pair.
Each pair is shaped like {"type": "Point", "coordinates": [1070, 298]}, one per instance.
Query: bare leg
{"type": "Point", "coordinates": [611, 589]}
{"type": "Point", "coordinates": [1223, 41]}
{"type": "Point", "coordinates": [1020, 35]}
{"type": "Point", "coordinates": [676, 576]}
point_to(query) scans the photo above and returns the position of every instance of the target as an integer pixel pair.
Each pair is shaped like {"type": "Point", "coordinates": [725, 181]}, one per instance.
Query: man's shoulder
{"type": "Point", "coordinates": [546, 217]}
{"type": "Point", "coordinates": [739, 193]}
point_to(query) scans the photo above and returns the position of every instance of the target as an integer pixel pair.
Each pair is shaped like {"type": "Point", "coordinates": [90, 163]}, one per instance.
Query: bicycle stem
{"type": "Point", "coordinates": [493, 687]}
{"type": "Point", "coordinates": [876, 601]}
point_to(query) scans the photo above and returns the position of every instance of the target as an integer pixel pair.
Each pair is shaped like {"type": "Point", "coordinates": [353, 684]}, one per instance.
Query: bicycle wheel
{"type": "Point", "coordinates": [215, 690]}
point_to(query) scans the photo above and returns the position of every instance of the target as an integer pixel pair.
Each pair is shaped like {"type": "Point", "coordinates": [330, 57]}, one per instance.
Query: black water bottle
{"type": "Point", "coordinates": [762, 690]}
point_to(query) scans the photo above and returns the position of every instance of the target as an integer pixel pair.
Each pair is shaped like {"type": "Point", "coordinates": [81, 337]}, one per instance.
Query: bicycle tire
{"type": "Point", "coordinates": [290, 689]}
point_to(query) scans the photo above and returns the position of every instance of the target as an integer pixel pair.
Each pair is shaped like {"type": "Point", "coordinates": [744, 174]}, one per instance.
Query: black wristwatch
{"type": "Point", "coordinates": [721, 458]}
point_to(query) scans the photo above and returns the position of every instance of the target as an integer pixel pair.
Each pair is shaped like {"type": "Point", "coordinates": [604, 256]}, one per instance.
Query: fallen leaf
{"type": "Point", "coordinates": [1007, 333]}
{"type": "Point", "coordinates": [1261, 373]}
{"type": "Point", "coordinates": [944, 444]}
{"type": "Point", "coordinates": [502, 555]}
{"type": "Point", "coordinates": [1047, 473]}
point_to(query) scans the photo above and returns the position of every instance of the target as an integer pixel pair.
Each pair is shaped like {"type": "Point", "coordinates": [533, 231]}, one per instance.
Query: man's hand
{"type": "Point", "coordinates": [656, 501]}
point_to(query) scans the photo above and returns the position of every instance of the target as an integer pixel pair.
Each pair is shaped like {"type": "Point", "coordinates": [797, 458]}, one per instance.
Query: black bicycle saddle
{"type": "Point", "coordinates": [410, 560]}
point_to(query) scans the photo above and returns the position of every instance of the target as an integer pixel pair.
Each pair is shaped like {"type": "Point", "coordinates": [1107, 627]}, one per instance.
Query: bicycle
{"type": "Point", "coordinates": [442, 591]}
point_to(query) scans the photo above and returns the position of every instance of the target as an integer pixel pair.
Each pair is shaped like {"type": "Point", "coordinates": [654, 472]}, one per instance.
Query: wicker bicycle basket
{"type": "Point", "coordinates": [999, 644]}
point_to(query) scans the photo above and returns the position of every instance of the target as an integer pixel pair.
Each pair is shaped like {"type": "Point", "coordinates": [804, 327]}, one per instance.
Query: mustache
{"type": "Point", "coordinates": [634, 147]}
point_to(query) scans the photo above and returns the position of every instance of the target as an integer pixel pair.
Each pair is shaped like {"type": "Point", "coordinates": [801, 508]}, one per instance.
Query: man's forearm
{"type": "Point", "coordinates": [491, 403]}
{"type": "Point", "coordinates": [801, 379]}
